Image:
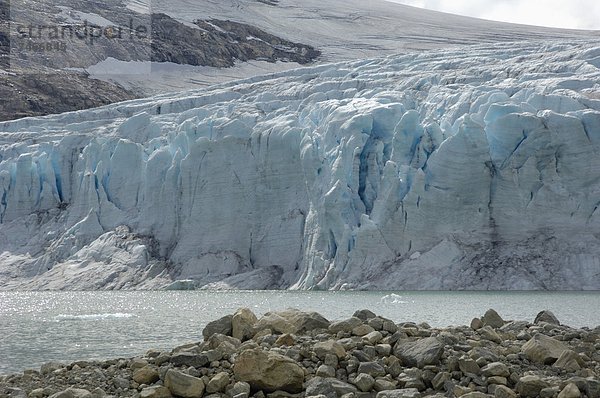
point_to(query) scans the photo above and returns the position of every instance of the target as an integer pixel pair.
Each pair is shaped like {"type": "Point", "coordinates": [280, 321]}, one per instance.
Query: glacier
{"type": "Point", "coordinates": [465, 168]}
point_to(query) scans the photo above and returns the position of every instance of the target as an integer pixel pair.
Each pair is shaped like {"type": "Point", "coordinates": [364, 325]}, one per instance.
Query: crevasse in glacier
{"type": "Point", "coordinates": [464, 168]}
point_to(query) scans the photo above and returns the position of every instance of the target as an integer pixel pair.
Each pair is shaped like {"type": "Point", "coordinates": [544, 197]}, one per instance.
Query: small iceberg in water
{"type": "Point", "coordinates": [393, 298]}
{"type": "Point", "coordinates": [92, 317]}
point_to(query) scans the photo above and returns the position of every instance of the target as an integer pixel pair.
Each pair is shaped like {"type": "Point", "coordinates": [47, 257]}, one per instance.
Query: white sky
{"type": "Point", "coordinates": [576, 14]}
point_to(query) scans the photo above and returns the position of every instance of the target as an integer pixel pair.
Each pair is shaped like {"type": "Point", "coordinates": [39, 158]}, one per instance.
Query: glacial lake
{"type": "Point", "coordinates": [37, 327]}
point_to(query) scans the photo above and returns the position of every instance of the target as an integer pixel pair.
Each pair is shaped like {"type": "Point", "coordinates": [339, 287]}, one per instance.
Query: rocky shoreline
{"type": "Point", "coordinates": [295, 354]}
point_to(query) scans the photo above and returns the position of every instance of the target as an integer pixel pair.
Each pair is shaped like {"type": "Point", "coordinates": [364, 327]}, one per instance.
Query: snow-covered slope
{"type": "Point", "coordinates": [474, 167]}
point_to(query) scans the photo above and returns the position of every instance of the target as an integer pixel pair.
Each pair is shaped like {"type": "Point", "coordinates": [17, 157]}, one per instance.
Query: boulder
{"type": "Point", "coordinates": [240, 387]}
{"type": "Point", "coordinates": [364, 315]}
{"type": "Point", "coordinates": [530, 386]}
{"type": "Point", "coordinates": [373, 337]}
{"type": "Point", "coordinates": [217, 339]}
{"type": "Point", "coordinates": [323, 348]}
{"type": "Point", "coordinates": [305, 321]}
{"type": "Point", "coordinates": [543, 349]}
{"type": "Point", "coordinates": [73, 393]}
{"type": "Point", "coordinates": [382, 384]}
{"type": "Point", "coordinates": [546, 316]}
{"type": "Point", "coordinates": [459, 391]}
{"type": "Point", "coordinates": [274, 322]}
{"type": "Point", "coordinates": [99, 393]}
{"type": "Point", "coordinates": [242, 324]}
{"type": "Point", "coordinates": [285, 340]}
{"type": "Point", "coordinates": [490, 334]}
{"type": "Point", "coordinates": [221, 326]}
{"type": "Point", "coordinates": [569, 361]}
{"type": "Point", "coordinates": [137, 363]}
{"type": "Point", "coordinates": [492, 319]}
{"type": "Point", "coordinates": [155, 392]}
{"type": "Point", "coordinates": [50, 367]}
{"type": "Point", "coordinates": [504, 392]}
{"type": "Point", "coordinates": [440, 379]}
{"type": "Point", "coordinates": [427, 351]}
{"type": "Point", "coordinates": [364, 382]}
{"type": "Point", "coordinates": [145, 375]}
{"type": "Point", "coordinates": [319, 386]}
{"type": "Point", "coordinates": [476, 324]}
{"type": "Point", "coordinates": [495, 369]}
{"type": "Point", "coordinates": [217, 383]}
{"type": "Point", "coordinates": [589, 386]}
{"type": "Point", "coordinates": [183, 385]}
{"type": "Point", "coordinates": [362, 330]}
{"type": "Point", "coordinates": [345, 326]}
{"type": "Point", "coordinates": [189, 359]}
{"type": "Point", "coordinates": [268, 371]}
{"type": "Point", "coordinates": [325, 371]}
{"type": "Point", "coordinates": [468, 366]}
{"type": "Point", "coordinates": [121, 382]}
{"type": "Point", "coordinates": [401, 393]}
{"type": "Point", "coordinates": [389, 326]}
{"type": "Point", "coordinates": [341, 387]}
{"type": "Point", "coordinates": [371, 368]}
{"type": "Point", "coordinates": [495, 380]}
{"type": "Point", "coordinates": [570, 391]}
{"type": "Point", "coordinates": [36, 393]}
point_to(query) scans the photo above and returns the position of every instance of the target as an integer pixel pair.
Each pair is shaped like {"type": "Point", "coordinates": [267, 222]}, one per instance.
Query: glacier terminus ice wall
{"type": "Point", "coordinates": [470, 168]}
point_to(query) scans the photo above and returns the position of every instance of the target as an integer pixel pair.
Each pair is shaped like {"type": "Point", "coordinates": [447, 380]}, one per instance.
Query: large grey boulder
{"type": "Point", "coordinates": [240, 387]}
{"type": "Point", "coordinates": [491, 318]}
{"type": "Point", "coordinates": [530, 386]}
{"type": "Point", "coordinates": [323, 348]}
{"type": "Point", "coordinates": [427, 351]}
{"type": "Point", "coordinates": [217, 383]}
{"type": "Point", "coordinates": [146, 375]}
{"type": "Point", "coordinates": [364, 382]}
{"type": "Point", "coordinates": [569, 361]}
{"type": "Point", "coordinates": [364, 315]}
{"type": "Point", "coordinates": [217, 339]}
{"type": "Point", "coordinates": [504, 392]}
{"type": "Point", "coordinates": [221, 326]}
{"type": "Point", "coordinates": [275, 322]}
{"type": "Point", "coordinates": [495, 369]}
{"type": "Point", "coordinates": [242, 324]}
{"type": "Point", "coordinates": [268, 371]}
{"type": "Point", "coordinates": [570, 391]}
{"type": "Point", "coordinates": [346, 325]}
{"type": "Point", "coordinates": [183, 385]}
{"type": "Point", "coordinates": [189, 359]}
{"type": "Point", "coordinates": [372, 368]}
{"type": "Point", "coordinates": [546, 316]}
{"type": "Point", "coordinates": [341, 387]}
{"type": "Point", "coordinates": [320, 386]}
{"type": "Point", "coordinates": [488, 333]}
{"type": "Point", "coordinates": [304, 321]}
{"type": "Point", "coordinates": [543, 349]}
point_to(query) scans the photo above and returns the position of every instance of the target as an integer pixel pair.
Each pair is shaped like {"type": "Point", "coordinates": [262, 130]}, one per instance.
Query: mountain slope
{"type": "Point", "coordinates": [474, 167]}
{"type": "Point", "coordinates": [342, 30]}
{"type": "Point", "coordinates": [51, 48]}
{"type": "Point", "coordinates": [203, 42]}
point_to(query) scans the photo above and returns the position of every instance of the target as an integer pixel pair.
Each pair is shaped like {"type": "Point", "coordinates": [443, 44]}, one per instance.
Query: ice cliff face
{"type": "Point", "coordinates": [476, 167]}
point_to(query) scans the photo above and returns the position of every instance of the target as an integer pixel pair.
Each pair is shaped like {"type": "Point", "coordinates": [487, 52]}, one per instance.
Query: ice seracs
{"type": "Point", "coordinates": [473, 167]}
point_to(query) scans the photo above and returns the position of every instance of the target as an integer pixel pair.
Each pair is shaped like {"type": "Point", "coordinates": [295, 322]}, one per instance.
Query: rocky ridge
{"type": "Point", "coordinates": [295, 354]}
{"type": "Point", "coordinates": [34, 81]}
